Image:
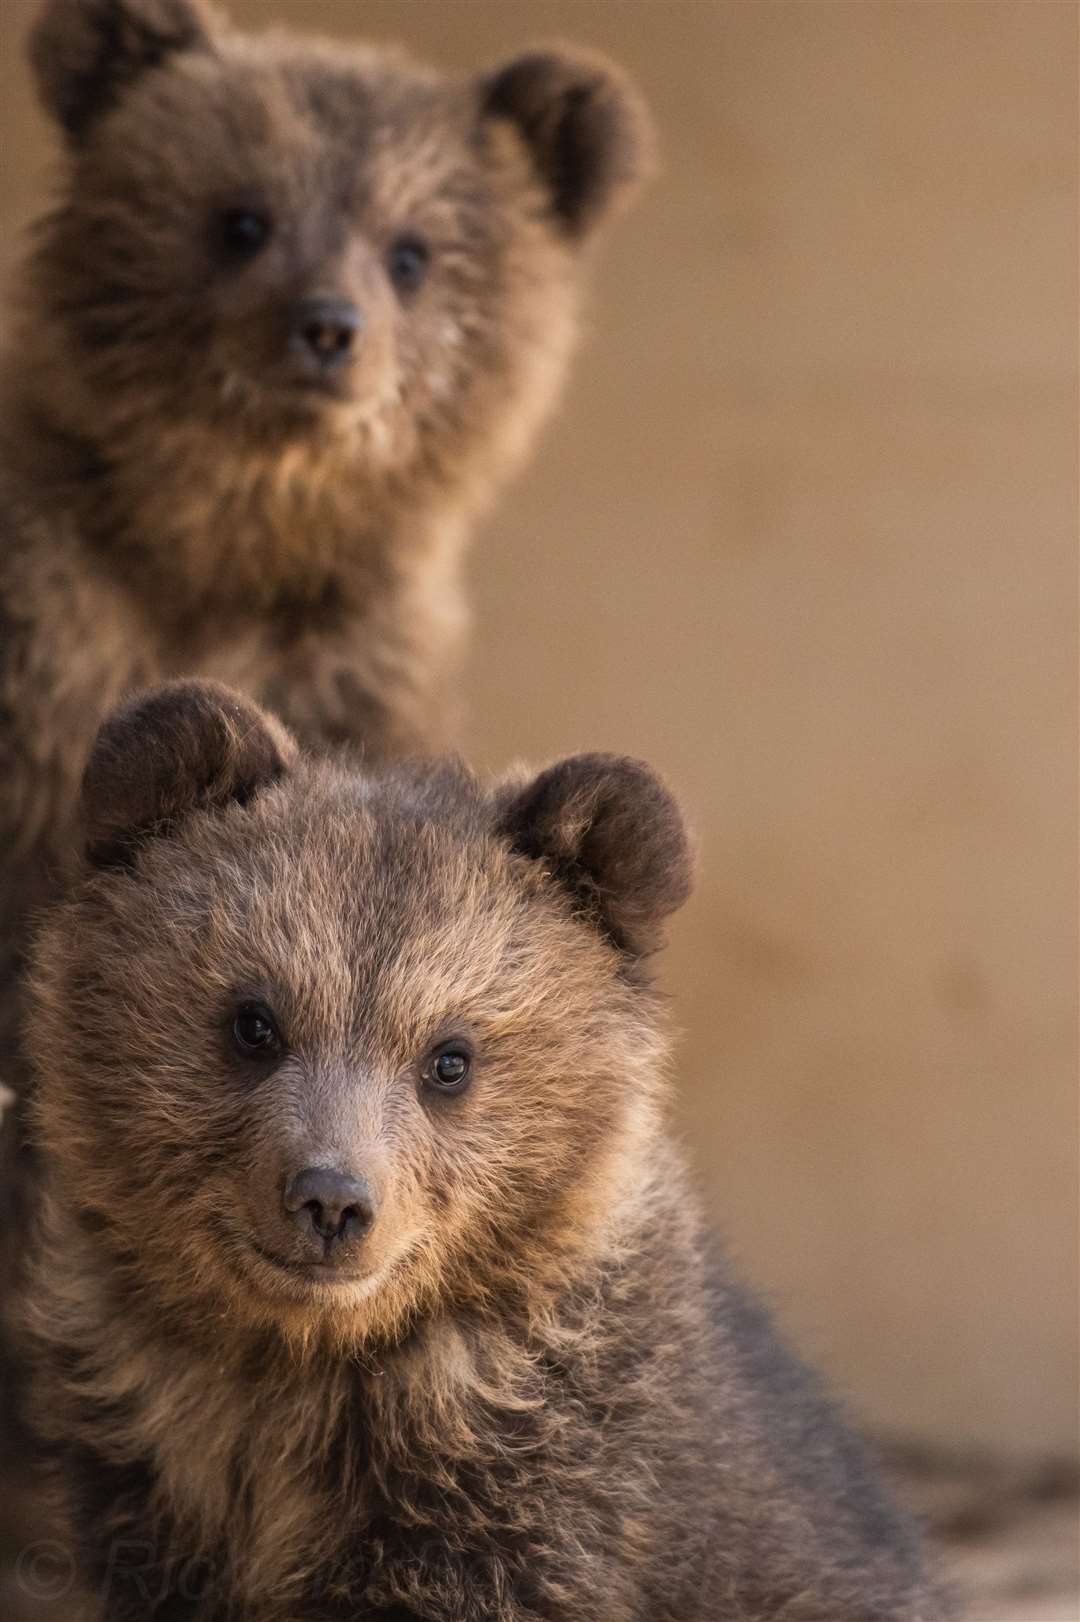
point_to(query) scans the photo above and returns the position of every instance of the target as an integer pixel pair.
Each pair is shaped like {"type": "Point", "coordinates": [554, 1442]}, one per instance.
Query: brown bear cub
{"type": "Point", "coordinates": [368, 1282]}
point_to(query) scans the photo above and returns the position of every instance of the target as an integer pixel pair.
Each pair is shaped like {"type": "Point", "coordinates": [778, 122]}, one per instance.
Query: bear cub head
{"type": "Point", "coordinates": [280, 238]}
{"type": "Point", "coordinates": [327, 1050]}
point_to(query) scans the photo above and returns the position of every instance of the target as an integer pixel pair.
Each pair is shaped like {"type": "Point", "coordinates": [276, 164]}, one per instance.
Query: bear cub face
{"type": "Point", "coordinates": [327, 1049]}
{"type": "Point", "coordinates": [275, 236]}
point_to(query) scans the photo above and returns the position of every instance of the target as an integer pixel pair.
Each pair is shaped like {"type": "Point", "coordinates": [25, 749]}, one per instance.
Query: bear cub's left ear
{"type": "Point", "coordinates": [586, 127]}
{"type": "Point", "coordinates": [170, 752]}
{"type": "Point", "coordinates": [85, 52]}
{"type": "Point", "coordinates": [606, 828]}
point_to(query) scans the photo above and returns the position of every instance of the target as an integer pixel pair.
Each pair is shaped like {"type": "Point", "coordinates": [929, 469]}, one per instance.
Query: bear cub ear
{"type": "Point", "coordinates": [84, 52]}
{"type": "Point", "coordinates": [183, 747]}
{"type": "Point", "coordinates": [585, 125]}
{"type": "Point", "coordinates": [607, 829]}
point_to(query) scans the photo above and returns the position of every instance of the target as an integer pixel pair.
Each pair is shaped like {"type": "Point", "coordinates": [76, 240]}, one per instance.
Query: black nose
{"type": "Point", "coordinates": [334, 1204]}
{"type": "Point", "coordinates": [325, 330]}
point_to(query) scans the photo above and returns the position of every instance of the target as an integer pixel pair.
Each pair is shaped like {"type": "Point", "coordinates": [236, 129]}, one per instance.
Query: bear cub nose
{"type": "Point", "coordinates": [325, 331]}
{"type": "Point", "coordinates": [329, 1203]}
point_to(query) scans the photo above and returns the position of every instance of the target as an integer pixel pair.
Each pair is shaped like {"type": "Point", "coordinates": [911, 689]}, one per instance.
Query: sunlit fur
{"type": "Point", "coordinates": [544, 1403]}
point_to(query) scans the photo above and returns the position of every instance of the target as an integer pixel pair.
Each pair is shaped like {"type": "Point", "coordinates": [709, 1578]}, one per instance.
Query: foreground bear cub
{"type": "Point", "coordinates": [369, 1285]}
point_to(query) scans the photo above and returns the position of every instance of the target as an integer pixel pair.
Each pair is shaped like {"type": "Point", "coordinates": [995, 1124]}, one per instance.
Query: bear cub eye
{"type": "Point", "coordinates": [255, 1033]}
{"type": "Point", "coordinates": [407, 262]}
{"type": "Point", "coordinates": [448, 1068]}
{"type": "Point", "coordinates": [243, 231]}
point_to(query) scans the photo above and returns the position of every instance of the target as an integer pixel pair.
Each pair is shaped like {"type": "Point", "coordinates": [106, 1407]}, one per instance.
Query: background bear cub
{"type": "Point", "coordinates": [299, 307]}
{"type": "Point", "coordinates": [369, 1281]}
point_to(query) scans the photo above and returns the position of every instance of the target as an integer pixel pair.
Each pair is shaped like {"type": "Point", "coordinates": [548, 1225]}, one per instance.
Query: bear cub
{"type": "Point", "coordinates": [298, 309]}
{"type": "Point", "coordinates": [368, 1282]}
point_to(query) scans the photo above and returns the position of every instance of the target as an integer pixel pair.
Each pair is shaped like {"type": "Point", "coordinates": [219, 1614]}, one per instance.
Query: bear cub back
{"type": "Point", "coordinates": [369, 1281]}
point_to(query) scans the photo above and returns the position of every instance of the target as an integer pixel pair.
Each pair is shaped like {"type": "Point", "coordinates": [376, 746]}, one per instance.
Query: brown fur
{"type": "Point", "coordinates": [532, 1398]}
{"type": "Point", "coordinates": [174, 498]}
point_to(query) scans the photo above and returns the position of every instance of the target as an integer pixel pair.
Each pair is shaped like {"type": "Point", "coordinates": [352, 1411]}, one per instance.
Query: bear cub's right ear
{"type": "Point", "coordinates": [608, 830]}
{"type": "Point", "coordinates": [180, 748]}
{"type": "Point", "coordinates": [588, 131]}
{"type": "Point", "coordinates": [85, 52]}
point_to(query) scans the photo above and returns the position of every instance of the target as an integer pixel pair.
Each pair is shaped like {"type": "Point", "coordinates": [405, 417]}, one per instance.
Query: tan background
{"type": "Point", "coordinates": [804, 535]}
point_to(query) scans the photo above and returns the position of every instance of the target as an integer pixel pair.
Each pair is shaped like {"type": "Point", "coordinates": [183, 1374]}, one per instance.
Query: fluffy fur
{"type": "Point", "coordinates": [531, 1396]}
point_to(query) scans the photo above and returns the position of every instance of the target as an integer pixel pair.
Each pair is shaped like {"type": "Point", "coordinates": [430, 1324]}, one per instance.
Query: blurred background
{"type": "Point", "coordinates": [804, 535]}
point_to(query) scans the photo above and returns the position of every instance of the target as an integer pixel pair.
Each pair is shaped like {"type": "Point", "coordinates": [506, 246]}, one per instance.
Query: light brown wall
{"type": "Point", "coordinates": [804, 535]}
